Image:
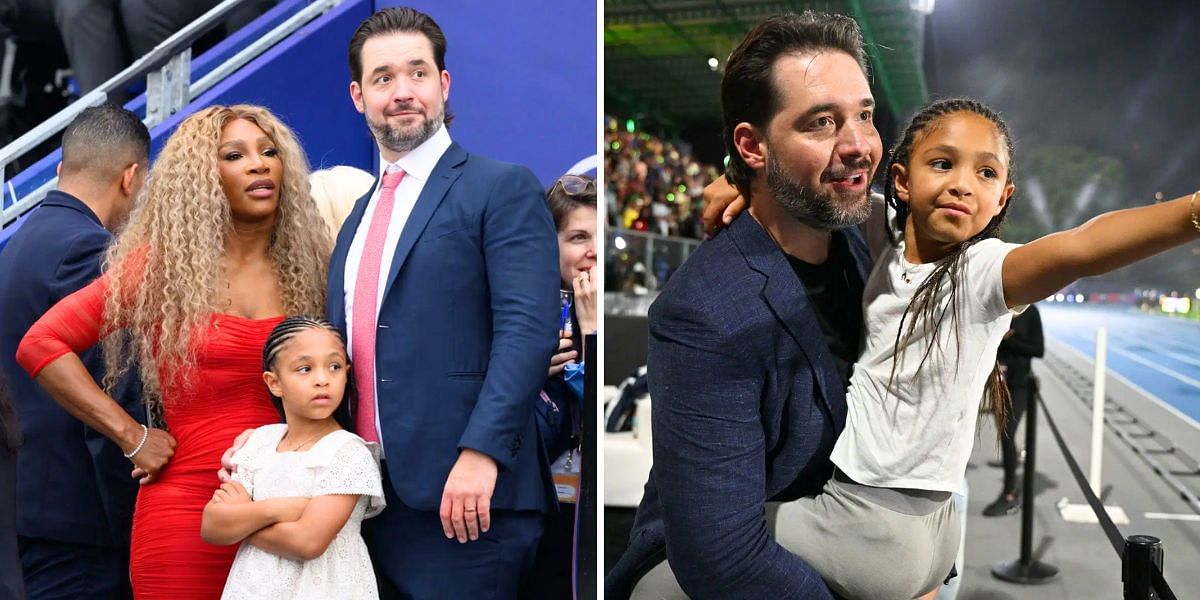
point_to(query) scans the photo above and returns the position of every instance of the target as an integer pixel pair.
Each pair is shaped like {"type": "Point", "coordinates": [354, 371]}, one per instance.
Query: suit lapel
{"type": "Point", "coordinates": [336, 298]}
{"type": "Point", "coordinates": [788, 300]}
{"type": "Point", "coordinates": [443, 176]}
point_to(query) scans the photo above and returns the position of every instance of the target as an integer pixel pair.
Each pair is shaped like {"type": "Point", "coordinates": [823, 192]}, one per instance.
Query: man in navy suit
{"type": "Point", "coordinates": [445, 278]}
{"type": "Point", "coordinates": [753, 339]}
{"type": "Point", "coordinates": [75, 495]}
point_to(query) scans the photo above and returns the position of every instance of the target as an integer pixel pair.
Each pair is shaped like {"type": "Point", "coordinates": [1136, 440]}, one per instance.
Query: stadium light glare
{"type": "Point", "coordinates": [713, 63]}
{"type": "Point", "coordinates": [924, 7]}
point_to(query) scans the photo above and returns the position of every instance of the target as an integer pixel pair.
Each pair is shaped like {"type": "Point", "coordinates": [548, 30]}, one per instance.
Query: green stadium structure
{"type": "Point", "coordinates": [659, 55]}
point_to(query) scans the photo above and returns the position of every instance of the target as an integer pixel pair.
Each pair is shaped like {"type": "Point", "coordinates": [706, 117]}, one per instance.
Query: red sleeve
{"type": "Point", "coordinates": [72, 325]}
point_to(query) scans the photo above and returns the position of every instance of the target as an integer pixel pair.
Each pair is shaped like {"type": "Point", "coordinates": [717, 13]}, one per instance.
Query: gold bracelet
{"type": "Point", "coordinates": [1195, 213]}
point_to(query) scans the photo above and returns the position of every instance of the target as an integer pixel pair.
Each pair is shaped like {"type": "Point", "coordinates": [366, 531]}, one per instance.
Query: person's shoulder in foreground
{"type": "Point", "coordinates": [714, 283]}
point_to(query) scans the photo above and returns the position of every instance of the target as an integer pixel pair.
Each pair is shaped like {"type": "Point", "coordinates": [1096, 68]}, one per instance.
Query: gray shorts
{"type": "Point", "coordinates": [864, 550]}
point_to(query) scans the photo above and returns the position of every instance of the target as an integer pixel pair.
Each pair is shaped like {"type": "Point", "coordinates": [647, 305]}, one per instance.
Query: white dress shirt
{"type": "Point", "coordinates": [417, 165]}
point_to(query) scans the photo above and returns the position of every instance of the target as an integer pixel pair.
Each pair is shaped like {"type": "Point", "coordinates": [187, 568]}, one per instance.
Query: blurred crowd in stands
{"type": "Point", "coordinates": [653, 187]}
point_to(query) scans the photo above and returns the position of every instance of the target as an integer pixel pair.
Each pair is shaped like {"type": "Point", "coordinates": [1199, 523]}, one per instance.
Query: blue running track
{"type": "Point", "coordinates": [1159, 354]}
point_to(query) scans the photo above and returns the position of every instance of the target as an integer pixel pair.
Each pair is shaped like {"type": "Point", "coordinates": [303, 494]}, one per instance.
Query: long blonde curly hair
{"type": "Point", "coordinates": [165, 268]}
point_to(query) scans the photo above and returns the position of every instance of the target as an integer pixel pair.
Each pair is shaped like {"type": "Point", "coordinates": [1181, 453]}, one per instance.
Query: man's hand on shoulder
{"type": "Point", "coordinates": [467, 497]}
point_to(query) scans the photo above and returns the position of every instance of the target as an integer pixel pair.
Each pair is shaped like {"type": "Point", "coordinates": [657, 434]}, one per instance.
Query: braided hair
{"type": "Point", "coordinates": [281, 335]}
{"type": "Point", "coordinates": [924, 307]}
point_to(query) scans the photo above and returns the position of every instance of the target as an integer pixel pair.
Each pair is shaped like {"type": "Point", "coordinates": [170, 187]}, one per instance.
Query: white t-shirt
{"type": "Point", "coordinates": [920, 434]}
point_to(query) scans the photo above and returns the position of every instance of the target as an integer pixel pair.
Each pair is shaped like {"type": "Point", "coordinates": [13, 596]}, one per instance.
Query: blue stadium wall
{"type": "Point", "coordinates": [523, 84]}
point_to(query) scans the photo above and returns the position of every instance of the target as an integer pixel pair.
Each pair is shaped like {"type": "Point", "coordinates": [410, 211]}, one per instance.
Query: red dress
{"type": "Point", "coordinates": [227, 396]}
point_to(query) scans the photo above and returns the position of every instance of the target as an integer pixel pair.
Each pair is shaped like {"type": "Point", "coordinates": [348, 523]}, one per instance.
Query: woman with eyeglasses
{"type": "Point", "coordinates": [572, 201]}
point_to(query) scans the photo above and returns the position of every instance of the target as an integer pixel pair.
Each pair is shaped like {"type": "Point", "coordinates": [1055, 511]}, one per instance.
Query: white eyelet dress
{"type": "Point", "coordinates": [339, 463]}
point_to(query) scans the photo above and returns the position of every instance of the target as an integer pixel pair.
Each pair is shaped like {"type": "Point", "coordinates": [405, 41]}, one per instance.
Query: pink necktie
{"type": "Point", "coordinates": [366, 298]}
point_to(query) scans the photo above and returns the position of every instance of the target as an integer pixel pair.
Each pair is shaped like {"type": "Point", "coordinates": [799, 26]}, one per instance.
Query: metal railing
{"type": "Point", "coordinates": [638, 264]}
{"type": "Point", "coordinates": [169, 87]}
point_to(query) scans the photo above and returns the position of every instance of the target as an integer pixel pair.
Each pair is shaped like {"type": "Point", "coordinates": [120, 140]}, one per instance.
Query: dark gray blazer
{"type": "Point", "coordinates": [747, 404]}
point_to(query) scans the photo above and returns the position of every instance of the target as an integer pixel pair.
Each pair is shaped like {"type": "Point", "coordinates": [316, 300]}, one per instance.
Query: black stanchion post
{"type": "Point", "coordinates": [1143, 555]}
{"type": "Point", "coordinates": [1025, 569]}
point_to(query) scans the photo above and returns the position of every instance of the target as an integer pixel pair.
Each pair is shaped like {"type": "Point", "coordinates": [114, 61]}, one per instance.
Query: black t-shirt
{"type": "Point", "coordinates": [835, 291]}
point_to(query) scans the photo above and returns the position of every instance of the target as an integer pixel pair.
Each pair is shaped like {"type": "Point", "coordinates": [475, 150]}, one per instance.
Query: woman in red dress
{"type": "Point", "coordinates": [225, 241]}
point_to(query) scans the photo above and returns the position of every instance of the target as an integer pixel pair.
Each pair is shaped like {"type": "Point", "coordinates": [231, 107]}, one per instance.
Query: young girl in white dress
{"type": "Point", "coordinates": [301, 489]}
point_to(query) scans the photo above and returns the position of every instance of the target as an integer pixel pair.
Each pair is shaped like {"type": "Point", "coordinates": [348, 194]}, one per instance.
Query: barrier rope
{"type": "Point", "coordinates": [1110, 529]}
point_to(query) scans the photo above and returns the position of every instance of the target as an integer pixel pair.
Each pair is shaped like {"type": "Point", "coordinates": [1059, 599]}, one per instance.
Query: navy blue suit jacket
{"type": "Point", "coordinates": [465, 331]}
{"type": "Point", "coordinates": [73, 484]}
{"type": "Point", "coordinates": [746, 406]}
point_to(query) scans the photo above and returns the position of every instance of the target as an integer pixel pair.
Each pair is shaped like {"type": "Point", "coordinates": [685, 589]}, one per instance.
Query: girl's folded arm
{"type": "Point", "coordinates": [1108, 242]}
{"type": "Point", "coordinates": [308, 537]}
{"type": "Point", "coordinates": [227, 523]}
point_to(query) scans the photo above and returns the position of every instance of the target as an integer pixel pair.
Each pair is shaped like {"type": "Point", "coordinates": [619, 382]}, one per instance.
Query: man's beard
{"type": "Point", "coordinates": [827, 212]}
{"type": "Point", "coordinates": [404, 140]}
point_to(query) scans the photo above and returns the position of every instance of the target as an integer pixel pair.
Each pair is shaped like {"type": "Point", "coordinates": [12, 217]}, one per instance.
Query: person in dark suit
{"type": "Point", "coordinates": [75, 495]}
{"type": "Point", "coordinates": [1023, 343]}
{"type": "Point", "coordinates": [753, 339]}
{"type": "Point", "coordinates": [11, 585]}
{"type": "Point", "coordinates": [444, 278]}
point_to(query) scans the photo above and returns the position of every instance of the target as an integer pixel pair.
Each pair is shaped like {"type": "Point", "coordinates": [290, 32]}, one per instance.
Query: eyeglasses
{"type": "Point", "coordinates": [575, 185]}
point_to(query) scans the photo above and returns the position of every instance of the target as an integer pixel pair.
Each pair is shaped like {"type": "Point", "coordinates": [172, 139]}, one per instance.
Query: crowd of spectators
{"type": "Point", "coordinates": [653, 185]}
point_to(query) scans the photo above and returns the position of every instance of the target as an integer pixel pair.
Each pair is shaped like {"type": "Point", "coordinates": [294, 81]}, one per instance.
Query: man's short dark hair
{"type": "Point", "coordinates": [747, 91]}
{"type": "Point", "coordinates": [103, 141]}
{"type": "Point", "coordinates": [398, 20]}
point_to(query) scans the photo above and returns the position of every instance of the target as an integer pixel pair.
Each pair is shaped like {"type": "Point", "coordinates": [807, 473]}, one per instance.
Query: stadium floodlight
{"type": "Point", "coordinates": [924, 7]}
{"type": "Point", "coordinates": [713, 63]}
